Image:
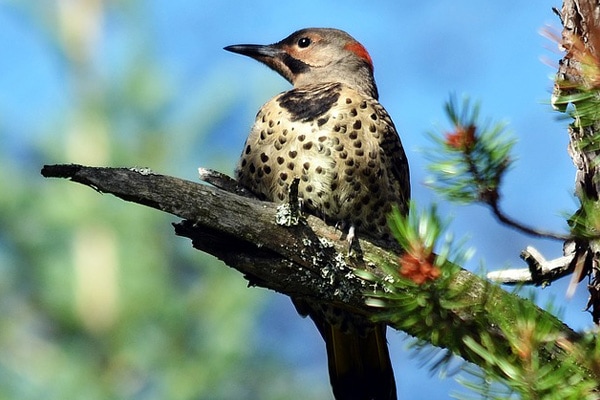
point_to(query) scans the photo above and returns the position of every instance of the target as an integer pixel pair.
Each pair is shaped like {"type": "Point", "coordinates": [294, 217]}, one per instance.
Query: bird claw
{"type": "Point", "coordinates": [350, 237]}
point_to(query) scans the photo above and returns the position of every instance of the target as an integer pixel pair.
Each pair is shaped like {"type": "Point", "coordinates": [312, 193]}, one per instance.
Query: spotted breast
{"type": "Point", "coordinates": [342, 146]}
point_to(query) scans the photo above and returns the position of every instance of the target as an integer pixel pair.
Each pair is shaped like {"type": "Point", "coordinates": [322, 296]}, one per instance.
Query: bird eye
{"type": "Point", "coordinates": [304, 42]}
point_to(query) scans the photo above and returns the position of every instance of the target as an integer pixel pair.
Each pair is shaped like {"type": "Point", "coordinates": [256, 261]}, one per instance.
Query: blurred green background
{"type": "Point", "coordinates": [98, 298]}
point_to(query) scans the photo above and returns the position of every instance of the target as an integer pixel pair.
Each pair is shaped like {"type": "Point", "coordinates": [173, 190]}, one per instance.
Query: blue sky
{"type": "Point", "coordinates": [422, 52]}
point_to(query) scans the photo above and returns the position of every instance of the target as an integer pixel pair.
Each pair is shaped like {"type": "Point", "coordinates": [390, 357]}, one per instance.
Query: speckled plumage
{"type": "Point", "coordinates": [331, 133]}
{"type": "Point", "coordinates": [347, 155]}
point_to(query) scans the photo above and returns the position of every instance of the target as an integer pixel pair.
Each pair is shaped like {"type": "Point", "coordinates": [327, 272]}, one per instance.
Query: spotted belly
{"type": "Point", "coordinates": [344, 172]}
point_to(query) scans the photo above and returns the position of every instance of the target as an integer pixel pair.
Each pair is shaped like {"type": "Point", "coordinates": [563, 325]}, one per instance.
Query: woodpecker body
{"type": "Point", "coordinates": [337, 142]}
{"type": "Point", "coordinates": [332, 134]}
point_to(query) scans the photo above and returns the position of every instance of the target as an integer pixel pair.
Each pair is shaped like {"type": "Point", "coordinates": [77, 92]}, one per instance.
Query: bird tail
{"type": "Point", "coordinates": [357, 353]}
{"type": "Point", "coordinates": [359, 364]}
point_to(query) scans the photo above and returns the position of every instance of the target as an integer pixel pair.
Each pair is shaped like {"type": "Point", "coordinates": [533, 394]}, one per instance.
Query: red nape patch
{"type": "Point", "coordinates": [360, 51]}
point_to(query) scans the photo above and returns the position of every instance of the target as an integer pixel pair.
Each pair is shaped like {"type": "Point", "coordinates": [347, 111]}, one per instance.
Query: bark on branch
{"type": "Point", "coordinates": [303, 260]}
{"type": "Point", "coordinates": [578, 83]}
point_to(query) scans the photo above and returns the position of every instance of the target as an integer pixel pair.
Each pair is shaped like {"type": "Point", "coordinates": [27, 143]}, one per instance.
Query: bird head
{"type": "Point", "coordinates": [316, 55]}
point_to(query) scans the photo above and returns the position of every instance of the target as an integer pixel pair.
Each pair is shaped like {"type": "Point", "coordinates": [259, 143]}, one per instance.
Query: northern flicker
{"type": "Point", "coordinates": [332, 134]}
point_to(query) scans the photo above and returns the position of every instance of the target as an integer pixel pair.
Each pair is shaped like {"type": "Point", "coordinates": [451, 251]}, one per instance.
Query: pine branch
{"type": "Point", "coordinates": [521, 227]}
{"type": "Point", "coordinates": [469, 163]}
{"type": "Point", "coordinates": [310, 260]}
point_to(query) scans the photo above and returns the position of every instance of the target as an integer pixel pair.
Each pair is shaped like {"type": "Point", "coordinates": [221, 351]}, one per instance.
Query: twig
{"type": "Point", "coordinates": [223, 181]}
{"type": "Point", "coordinates": [540, 271]}
{"type": "Point", "coordinates": [493, 204]}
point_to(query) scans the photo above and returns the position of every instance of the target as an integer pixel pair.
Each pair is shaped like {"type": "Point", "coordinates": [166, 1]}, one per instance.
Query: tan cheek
{"type": "Point", "coordinates": [294, 52]}
{"type": "Point", "coordinates": [308, 56]}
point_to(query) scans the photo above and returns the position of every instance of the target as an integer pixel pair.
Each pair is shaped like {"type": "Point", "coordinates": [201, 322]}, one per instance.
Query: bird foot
{"type": "Point", "coordinates": [350, 237]}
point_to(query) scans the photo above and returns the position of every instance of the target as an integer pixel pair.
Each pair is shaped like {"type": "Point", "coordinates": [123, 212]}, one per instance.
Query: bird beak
{"type": "Point", "coordinates": [273, 56]}
{"type": "Point", "coordinates": [256, 51]}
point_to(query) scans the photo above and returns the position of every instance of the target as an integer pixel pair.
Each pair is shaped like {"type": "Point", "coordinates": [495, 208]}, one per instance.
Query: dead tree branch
{"type": "Point", "coordinates": [303, 260]}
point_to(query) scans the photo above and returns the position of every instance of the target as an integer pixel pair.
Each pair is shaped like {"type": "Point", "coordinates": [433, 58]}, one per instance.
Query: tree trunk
{"type": "Point", "coordinates": [577, 83]}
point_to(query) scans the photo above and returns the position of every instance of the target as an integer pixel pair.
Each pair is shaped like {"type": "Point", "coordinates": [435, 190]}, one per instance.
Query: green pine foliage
{"type": "Point", "coordinates": [468, 162]}
{"type": "Point", "coordinates": [521, 355]}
